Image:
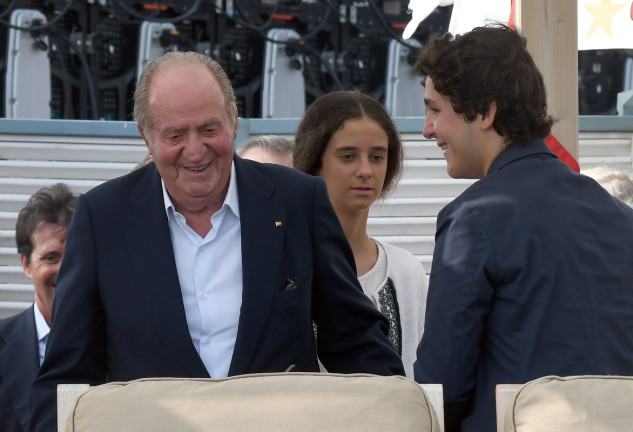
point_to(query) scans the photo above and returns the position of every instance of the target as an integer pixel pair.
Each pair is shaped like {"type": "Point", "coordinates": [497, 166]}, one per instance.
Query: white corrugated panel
{"type": "Point", "coordinates": [405, 218]}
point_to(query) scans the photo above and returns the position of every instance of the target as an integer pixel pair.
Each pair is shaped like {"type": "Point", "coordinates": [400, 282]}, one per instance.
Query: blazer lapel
{"type": "Point", "coordinates": [19, 363]}
{"type": "Point", "coordinates": [149, 241]}
{"type": "Point", "coordinates": [263, 225]}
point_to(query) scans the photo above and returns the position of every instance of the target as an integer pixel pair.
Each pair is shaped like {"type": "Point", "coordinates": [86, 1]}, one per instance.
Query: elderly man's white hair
{"type": "Point", "coordinates": [615, 182]}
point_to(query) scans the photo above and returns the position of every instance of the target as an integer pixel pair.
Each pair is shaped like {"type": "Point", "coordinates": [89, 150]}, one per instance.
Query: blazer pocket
{"type": "Point", "coordinates": [293, 293]}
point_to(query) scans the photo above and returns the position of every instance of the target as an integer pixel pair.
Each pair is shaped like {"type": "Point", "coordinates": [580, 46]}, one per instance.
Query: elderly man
{"type": "Point", "coordinates": [40, 236]}
{"type": "Point", "coordinates": [533, 266]}
{"type": "Point", "coordinates": [202, 264]}
{"type": "Point", "coordinates": [267, 149]}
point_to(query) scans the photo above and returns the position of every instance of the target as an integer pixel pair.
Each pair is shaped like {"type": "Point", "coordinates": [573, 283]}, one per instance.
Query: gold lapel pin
{"type": "Point", "coordinates": [277, 223]}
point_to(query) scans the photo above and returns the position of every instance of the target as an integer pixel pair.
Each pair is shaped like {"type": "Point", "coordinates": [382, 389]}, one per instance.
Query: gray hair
{"type": "Point", "coordinates": [615, 182]}
{"type": "Point", "coordinates": [180, 58]}
{"type": "Point", "coordinates": [272, 143]}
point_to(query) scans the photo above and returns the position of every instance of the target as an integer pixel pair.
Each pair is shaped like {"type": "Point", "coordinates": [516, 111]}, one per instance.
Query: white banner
{"type": "Point", "coordinates": [604, 24]}
{"type": "Point", "coordinates": [468, 14]}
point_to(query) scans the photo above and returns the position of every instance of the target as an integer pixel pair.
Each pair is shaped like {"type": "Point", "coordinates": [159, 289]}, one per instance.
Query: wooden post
{"type": "Point", "coordinates": [551, 29]}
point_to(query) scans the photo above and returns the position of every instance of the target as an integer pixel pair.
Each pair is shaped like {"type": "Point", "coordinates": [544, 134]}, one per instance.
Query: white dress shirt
{"type": "Point", "coordinates": [210, 275]}
{"type": "Point", "coordinates": [42, 332]}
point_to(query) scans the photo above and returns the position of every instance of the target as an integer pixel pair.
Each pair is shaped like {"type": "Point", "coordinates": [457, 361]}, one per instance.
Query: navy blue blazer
{"type": "Point", "coordinates": [532, 275]}
{"type": "Point", "coordinates": [19, 362]}
{"type": "Point", "coordinates": [118, 313]}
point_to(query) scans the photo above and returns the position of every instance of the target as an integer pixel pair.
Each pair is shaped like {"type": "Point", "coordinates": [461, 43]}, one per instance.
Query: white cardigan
{"type": "Point", "coordinates": [411, 285]}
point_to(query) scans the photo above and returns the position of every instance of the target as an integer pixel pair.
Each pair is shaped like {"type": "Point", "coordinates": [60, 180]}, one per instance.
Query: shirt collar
{"type": "Point", "coordinates": [40, 324]}
{"type": "Point", "coordinates": [231, 199]}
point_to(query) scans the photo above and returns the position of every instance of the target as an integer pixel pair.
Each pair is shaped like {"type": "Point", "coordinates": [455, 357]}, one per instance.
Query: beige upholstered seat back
{"type": "Point", "coordinates": [577, 403]}
{"type": "Point", "coordinates": [263, 402]}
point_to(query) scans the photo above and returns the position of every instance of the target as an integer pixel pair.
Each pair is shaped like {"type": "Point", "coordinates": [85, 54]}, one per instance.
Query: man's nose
{"type": "Point", "coordinates": [428, 130]}
{"type": "Point", "coordinates": [194, 147]}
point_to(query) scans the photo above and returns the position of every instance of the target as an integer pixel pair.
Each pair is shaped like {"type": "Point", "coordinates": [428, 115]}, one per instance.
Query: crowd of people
{"type": "Point", "coordinates": [207, 261]}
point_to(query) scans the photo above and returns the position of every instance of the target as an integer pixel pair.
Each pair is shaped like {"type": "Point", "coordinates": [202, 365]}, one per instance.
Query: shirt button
{"type": "Point", "coordinates": [207, 341]}
{"type": "Point", "coordinates": [205, 295]}
{"type": "Point", "coordinates": [201, 248]}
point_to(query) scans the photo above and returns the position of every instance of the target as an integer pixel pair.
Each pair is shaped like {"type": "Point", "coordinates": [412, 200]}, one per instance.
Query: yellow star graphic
{"type": "Point", "coordinates": [603, 16]}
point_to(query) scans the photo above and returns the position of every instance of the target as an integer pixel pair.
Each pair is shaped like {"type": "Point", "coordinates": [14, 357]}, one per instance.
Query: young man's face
{"type": "Point", "coordinates": [465, 150]}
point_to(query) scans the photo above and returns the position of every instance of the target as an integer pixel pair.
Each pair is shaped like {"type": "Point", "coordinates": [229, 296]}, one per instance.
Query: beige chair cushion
{"type": "Point", "coordinates": [262, 402]}
{"type": "Point", "coordinates": [576, 403]}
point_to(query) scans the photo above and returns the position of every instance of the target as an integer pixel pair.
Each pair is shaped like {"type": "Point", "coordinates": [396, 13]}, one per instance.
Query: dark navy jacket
{"type": "Point", "coordinates": [532, 275]}
{"type": "Point", "coordinates": [119, 315]}
{"type": "Point", "coordinates": [19, 362]}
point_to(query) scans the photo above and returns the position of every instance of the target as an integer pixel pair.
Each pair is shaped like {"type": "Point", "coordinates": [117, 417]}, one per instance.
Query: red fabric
{"type": "Point", "coordinates": [554, 145]}
{"type": "Point", "coordinates": [557, 148]}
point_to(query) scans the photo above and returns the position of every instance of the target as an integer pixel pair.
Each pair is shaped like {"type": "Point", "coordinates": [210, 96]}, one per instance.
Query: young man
{"type": "Point", "coordinates": [202, 264]}
{"type": "Point", "coordinates": [533, 265]}
{"type": "Point", "coordinates": [40, 237]}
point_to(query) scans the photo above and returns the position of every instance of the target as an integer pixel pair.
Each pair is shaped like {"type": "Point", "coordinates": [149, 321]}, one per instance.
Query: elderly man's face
{"type": "Point", "coordinates": [192, 135]}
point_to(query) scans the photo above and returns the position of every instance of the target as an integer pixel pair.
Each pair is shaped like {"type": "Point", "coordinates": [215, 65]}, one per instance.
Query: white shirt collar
{"type": "Point", "coordinates": [231, 199]}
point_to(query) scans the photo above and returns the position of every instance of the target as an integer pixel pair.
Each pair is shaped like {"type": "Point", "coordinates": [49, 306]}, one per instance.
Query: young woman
{"type": "Point", "coordinates": [349, 139]}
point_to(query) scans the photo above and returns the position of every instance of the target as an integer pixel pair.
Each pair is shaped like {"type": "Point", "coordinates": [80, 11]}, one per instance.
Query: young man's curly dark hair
{"type": "Point", "coordinates": [475, 69]}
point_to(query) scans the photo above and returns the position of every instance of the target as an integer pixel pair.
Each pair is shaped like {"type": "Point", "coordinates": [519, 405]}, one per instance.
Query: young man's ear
{"type": "Point", "coordinates": [488, 118]}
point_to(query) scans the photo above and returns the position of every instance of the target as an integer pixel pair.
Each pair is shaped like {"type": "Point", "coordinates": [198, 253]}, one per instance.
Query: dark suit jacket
{"type": "Point", "coordinates": [119, 315]}
{"type": "Point", "coordinates": [19, 362]}
{"type": "Point", "coordinates": [532, 275]}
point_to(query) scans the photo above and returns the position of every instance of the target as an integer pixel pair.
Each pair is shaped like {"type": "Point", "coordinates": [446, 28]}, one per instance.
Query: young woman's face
{"type": "Point", "coordinates": [354, 164]}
